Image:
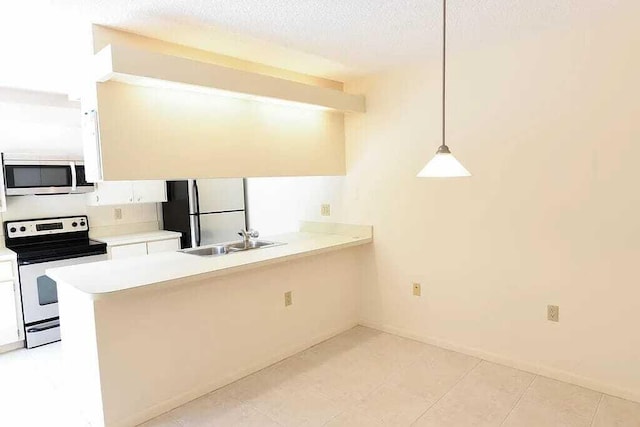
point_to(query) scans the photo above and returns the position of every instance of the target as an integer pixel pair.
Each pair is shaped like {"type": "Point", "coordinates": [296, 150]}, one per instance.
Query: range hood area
{"type": "Point", "coordinates": [151, 111]}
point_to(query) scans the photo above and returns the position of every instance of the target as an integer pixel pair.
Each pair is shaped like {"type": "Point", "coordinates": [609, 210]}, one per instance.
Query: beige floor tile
{"type": "Point", "coordinates": [482, 398]}
{"type": "Point", "coordinates": [554, 403]}
{"type": "Point", "coordinates": [393, 406]}
{"type": "Point", "coordinates": [297, 406]}
{"type": "Point", "coordinates": [164, 420]}
{"type": "Point", "coordinates": [354, 418]}
{"type": "Point", "coordinates": [434, 374]}
{"type": "Point", "coordinates": [344, 373]}
{"type": "Point", "coordinates": [352, 380]}
{"type": "Point", "coordinates": [218, 410]}
{"type": "Point", "coordinates": [362, 377]}
{"type": "Point", "coordinates": [616, 412]}
{"type": "Point", "coordinates": [359, 335]}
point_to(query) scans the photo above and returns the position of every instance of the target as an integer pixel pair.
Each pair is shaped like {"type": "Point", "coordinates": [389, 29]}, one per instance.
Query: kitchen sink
{"type": "Point", "coordinates": [208, 251]}
{"type": "Point", "coordinates": [229, 248]}
{"type": "Point", "coordinates": [252, 244]}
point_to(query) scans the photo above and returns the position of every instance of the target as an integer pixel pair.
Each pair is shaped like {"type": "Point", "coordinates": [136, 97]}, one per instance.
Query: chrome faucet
{"type": "Point", "coordinates": [247, 235]}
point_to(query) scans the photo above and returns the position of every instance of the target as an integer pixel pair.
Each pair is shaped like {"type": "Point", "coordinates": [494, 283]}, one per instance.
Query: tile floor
{"type": "Point", "coordinates": [362, 377]}
{"type": "Point", "coordinates": [32, 390]}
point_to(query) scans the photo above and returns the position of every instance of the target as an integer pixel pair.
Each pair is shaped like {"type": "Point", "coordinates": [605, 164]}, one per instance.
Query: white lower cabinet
{"type": "Point", "coordinates": [8, 314]}
{"type": "Point", "coordinates": [143, 248]}
{"type": "Point", "coordinates": [127, 251]}
{"type": "Point", "coordinates": [125, 192]}
{"type": "Point", "coordinates": [6, 271]}
{"type": "Point", "coordinates": [171, 245]}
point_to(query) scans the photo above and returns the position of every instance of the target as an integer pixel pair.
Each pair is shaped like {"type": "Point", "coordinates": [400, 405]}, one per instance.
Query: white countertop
{"type": "Point", "coordinates": [7, 254]}
{"type": "Point", "coordinates": [128, 239]}
{"type": "Point", "coordinates": [103, 278]}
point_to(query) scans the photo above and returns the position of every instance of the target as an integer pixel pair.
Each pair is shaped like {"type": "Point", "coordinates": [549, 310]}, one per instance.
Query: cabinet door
{"type": "Point", "coordinates": [149, 191]}
{"type": "Point", "coordinates": [112, 193]}
{"type": "Point", "coordinates": [8, 314]}
{"type": "Point", "coordinates": [6, 271]}
{"type": "Point", "coordinates": [170, 245]}
{"type": "Point", "coordinates": [3, 196]}
{"type": "Point", "coordinates": [128, 251]}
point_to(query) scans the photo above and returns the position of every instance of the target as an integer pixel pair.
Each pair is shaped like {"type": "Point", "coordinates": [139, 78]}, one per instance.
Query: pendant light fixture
{"type": "Point", "coordinates": [443, 165]}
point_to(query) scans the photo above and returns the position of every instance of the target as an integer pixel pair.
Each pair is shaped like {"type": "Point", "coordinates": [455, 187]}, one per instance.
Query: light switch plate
{"type": "Point", "coordinates": [325, 209]}
{"type": "Point", "coordinates": [117, 213]}
{"type": "Point", "coordinates": [553, 313]}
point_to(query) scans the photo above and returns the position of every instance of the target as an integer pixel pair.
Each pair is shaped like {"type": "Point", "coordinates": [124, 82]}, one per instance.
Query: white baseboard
{"type": "Point", "coordinates": [546, 371]}
{"type": "Point", "coordinates": [200, 391]}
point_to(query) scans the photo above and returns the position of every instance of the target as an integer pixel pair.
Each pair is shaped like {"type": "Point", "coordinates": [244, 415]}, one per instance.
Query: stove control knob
{"type": "Point", "coordinates": [74, 224]}
{"type": "Point", "coordinates": [82, 223]}
{"type": "Point", "coordinates": [12, 229]}
{"type": "Point", "coordinates": [23, 228]}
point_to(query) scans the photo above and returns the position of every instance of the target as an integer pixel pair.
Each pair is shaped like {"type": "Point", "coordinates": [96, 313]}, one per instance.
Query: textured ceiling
{"type": "Point", "coordinates": [330, 38]}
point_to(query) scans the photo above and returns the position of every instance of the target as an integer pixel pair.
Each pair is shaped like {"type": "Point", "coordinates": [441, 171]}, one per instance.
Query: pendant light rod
{"type": "Point", "coordinates": [444, 69]}
{"type": "Point", "coordinates": [444, 164]}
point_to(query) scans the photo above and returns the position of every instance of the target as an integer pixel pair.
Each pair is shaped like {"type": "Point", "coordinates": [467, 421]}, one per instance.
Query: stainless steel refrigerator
{"type": "Point", "coordinates": [205, 211]}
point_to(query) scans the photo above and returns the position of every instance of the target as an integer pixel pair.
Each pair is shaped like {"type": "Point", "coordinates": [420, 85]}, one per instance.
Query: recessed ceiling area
{"type": "Point", "coordinates": [42, 40]}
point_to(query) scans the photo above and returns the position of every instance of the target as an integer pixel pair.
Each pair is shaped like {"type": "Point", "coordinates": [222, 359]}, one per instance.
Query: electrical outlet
{"type": "Point", "coordinates": [553, 313]}
{"type": "Point", "coordinates": [325, 209]}
{"type": "Point", "coordinates": [288, 299]}
{"type": "Point", "coordinates": [417, 290]}
{"type": "Point", "coordinates": [117, 213]}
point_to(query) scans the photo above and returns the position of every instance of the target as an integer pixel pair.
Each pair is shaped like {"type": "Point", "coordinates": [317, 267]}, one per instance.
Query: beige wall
{"type": "Point", "coordinates": [136, 218]}
{"type": "Point", "coordinates": [550, 129]}
{"type": "Point", "coordinates": [276, 205]}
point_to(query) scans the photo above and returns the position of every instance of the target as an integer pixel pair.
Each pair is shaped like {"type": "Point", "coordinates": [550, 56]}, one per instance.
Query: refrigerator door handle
{"type": "Point", "coordinates": [194, 227]}
{"type": "Point", "coordinates": [198, 231]}
{"type": "Point", "coordinates": [196, 198]}
{"type": "Point", "coordinates": [191, 185]}
{"type": "Point", "coordinates": [196, 195]}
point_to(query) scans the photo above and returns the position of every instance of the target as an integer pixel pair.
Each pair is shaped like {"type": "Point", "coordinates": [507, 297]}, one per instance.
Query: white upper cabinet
{"type": "Point", "coordinates": [149, 191]}
{"type": "Point", "coordinates": [125, 192]}
{"type": "Point", "coordinates": [157, 110]}
{"type": "Point", "coordinates": [3, 196]}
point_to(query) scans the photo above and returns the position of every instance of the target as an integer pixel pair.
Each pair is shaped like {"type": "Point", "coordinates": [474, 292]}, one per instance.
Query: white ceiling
{"type": "Point", "coordinates": [41, 40]}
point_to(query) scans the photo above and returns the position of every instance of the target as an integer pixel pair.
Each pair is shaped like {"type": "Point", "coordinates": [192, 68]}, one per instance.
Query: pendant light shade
{"type": "Point", "coordinates": [443, 165]}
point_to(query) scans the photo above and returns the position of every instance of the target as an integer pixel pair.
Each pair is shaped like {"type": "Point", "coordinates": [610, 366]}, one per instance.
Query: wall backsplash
{"type": "Point", "coordinates": [135, 218]}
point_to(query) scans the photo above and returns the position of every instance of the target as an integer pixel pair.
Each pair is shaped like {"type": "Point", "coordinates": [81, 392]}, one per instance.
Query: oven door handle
{"type": "Point", "coordinates": [43, 328]}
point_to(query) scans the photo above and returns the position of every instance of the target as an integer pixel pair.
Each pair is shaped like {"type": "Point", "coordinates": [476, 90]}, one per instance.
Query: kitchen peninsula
{"type": "Point", "coordinates": [148, 334]}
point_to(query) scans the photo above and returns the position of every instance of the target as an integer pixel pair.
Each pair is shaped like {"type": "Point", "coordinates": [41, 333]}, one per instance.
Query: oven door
{"type": "Point", "coordinates": [40, 292]}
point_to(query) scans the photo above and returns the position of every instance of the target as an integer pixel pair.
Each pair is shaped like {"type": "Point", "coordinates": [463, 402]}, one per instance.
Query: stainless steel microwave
{"type": "Point", "coordinates": [26, 174]}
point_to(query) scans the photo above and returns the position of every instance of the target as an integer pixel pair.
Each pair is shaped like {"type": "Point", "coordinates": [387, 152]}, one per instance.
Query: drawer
{"type": "Point", "coordinates": [128, 251]}
{"type": "Point", "coordinates": [170, 245]}
{"type": "Point", "coordinates": [6, 270]}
